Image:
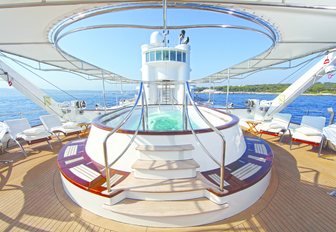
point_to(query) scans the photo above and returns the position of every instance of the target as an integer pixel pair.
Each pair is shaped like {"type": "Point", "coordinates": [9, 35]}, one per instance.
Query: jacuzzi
{"type": "Point", "coordinates": [165, 127]}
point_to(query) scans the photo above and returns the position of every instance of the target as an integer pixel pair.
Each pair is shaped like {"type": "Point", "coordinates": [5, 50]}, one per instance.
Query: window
{"type": "Point", "coordinates": [179, 56]}
{"type": "Point", "coordinates": [158, 55]}
{"type": "Point", "coordinates": [173, 55]}
{"type": "Point", "coordinates": [152, 56]}
{"type": "Point", "coordinates": [165, 55]}
{"type": "Point", "coordinates": [147, 57]}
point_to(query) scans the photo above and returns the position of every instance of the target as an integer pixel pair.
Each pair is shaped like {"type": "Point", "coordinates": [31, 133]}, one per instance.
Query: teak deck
{"type": "Point", "coordinates": [32, 197]}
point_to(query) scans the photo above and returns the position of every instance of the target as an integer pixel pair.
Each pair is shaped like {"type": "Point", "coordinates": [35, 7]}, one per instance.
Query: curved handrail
{"type": "Point", "coordinates": [222, 164]}
{"type": "Point", "coordinates": [132, 139]}
{"type": "Point", "coordinates": [198, 140]}
{"type": "Point", "coordinates": [107, 173]}
{"type": "Point", "coordinates": [142, 119]}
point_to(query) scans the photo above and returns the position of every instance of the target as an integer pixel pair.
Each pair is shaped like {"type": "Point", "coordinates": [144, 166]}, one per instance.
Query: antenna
{"type": "Point", "coordinates": [165, 32]}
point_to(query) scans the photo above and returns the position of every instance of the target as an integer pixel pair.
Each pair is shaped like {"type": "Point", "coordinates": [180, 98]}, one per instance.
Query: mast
{"type": "Point", "coordinates": [164, 15]}
{"type": "Point", "coordinates": [38, 96]}
{"type": "Point", "coordinates": [325, 66]}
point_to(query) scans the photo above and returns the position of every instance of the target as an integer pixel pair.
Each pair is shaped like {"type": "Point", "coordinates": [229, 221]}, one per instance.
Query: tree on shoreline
{"type": "Point", "coordinates": [317, 88]}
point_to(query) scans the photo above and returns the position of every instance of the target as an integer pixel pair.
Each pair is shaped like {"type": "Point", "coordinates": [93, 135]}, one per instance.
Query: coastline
{"type": "Point", "coordinates": [262, 93]}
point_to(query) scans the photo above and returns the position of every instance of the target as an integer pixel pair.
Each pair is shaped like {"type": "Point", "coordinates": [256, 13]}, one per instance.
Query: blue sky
{"type": "Point", "coordinates": [118, 50]}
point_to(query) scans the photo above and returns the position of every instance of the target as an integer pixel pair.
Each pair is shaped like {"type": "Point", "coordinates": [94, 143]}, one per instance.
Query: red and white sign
{"type": "Point", "coordinates": [326, 61]}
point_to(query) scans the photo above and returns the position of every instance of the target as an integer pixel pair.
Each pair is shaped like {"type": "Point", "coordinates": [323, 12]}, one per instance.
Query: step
{"type": "Point", "coordinates": [181, 147]}
{"type": "Point", "coordinates": [165, 169]}
{"type": "Point", "coordinates": [168, 213]}
{"type": "Point", "coordinates": [154, 189]}
{"type": "Point", "coordinates": [165, 152]}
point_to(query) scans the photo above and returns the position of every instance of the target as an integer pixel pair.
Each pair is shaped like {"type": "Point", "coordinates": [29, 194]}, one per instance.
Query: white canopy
{"type": "Point", "coordinates": [302, 30]}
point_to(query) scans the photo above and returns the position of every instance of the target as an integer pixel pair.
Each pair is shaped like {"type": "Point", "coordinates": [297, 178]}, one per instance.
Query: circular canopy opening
{"type": "Point", "coordinates": [110, 37]}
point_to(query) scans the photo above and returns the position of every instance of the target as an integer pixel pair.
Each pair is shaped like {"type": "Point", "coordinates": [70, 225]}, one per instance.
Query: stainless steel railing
{"type": "Point", "coordinates": [186, 115]}
{"type": "Point", "coordinates": [143, 120]}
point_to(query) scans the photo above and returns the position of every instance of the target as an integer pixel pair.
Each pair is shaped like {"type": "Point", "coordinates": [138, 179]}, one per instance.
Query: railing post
{"type": "Point", "coordinates": [143, 116]}
{"type": "Point", "coordinates": [185, 105]}
{"type": "Point", "coordinates": [222, 169]}
{"type": "Point", "coordinates": [146, 107]}
{"type": "Point", "coordinates": [222, 163]}
{"type": "Point", "coordinates": [107, 169]}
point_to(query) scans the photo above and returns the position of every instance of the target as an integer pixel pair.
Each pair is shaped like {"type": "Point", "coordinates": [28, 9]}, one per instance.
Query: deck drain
{"type": "Point", "coordinates": [332, 193]}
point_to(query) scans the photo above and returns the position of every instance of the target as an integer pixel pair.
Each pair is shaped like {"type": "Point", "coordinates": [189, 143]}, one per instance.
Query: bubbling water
{"type": "Point", "coordinates": [167, 121]}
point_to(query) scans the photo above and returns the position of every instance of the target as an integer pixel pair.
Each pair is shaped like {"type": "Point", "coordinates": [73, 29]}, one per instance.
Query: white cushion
{"type": "Point", "coordinates": [33, 131]}
{"type": "Point", "coordinates": [275, 125]}
{"type": "Point", "coordinates": [308, 131]}
{"type": "Point", "coordinates": [70, 125]}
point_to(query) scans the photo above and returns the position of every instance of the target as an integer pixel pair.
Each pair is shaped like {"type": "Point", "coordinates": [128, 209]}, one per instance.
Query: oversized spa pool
{"type": "Point", "coordinates": [167, 121]}
{"type": "Point", "coordinates": [161, 119]}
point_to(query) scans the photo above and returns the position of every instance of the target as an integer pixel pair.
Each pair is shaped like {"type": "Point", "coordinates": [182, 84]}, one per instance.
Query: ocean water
{"type": "Point", "coordinates": [14, 105]}
{"type": "Point", "coordinates": [303, 105]}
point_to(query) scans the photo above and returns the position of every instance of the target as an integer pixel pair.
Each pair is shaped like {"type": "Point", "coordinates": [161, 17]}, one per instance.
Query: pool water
{"type": "Point", "coordinates": [166, 121]}
{"type": "Point", "coordinates": [163, 120]}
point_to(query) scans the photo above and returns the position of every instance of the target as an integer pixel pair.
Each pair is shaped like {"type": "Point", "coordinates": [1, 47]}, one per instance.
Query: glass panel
{"type": "Point", "coordinates": [179, 56]}
{"type": "Point", "coordinates": [158, 55]}
{"type": "Point", "coordinates": [152, 56]}
{"type": "Point", "coordinates": [147, 57]}
{"type": "Point", "coordinates": [172, 55]}
{"type": "Point", "coordinates": [165, 55]}
{"type": "Point", "coordinates": [184, 57]}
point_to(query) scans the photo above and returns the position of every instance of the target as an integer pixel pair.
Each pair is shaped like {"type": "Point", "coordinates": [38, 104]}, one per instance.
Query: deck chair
{"type": "Point", "coordinates": [54, 125]}
{"type": "Point", "coordinates": [20, 129]}
{"type": "Point", "coordinates": [3, 133]}
{"type": "Point", "coordinates": [277, 126]}
{"type": "Point", "coordinates": [310, 131]}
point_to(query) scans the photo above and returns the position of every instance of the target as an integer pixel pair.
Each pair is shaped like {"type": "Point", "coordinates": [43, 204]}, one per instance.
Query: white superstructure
{"type": "Point", "coordinates": [166, 68]}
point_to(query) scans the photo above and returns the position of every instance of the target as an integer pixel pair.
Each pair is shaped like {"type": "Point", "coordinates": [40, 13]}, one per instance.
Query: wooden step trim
{"type": "Point", "coordinates": [78, 168]}
{"type": "Point", "coordinates": [165, 208]}
{"type": "Point", "coordinates": [165, 164]}
{"type": "Point", "coordinates": [134, 184]}
{"type": "Point", "coordinates": [245, 172]}
{"type": "Point", "coordinates": [180, 147]}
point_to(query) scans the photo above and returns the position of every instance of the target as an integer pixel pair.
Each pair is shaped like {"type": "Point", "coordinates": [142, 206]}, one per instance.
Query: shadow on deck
{"type": "Point", "coordinates": [32, 197]}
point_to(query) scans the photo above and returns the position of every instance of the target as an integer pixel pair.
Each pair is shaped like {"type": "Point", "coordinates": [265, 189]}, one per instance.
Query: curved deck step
{"type": "Point", "coordinates": [165, 164]}
{"type": "Point", "coordinates": [165, 152]}
{"type": "Point", "coordinates": [131, 183]}
{"type": "Point", "coordinates": [181, 147]}
{"type": "Point", "coordinates": [165, 169]}
{"type": "Point", "coordinates": [168, 213]}
{"type": "Point", "coordinates": [162, 190]}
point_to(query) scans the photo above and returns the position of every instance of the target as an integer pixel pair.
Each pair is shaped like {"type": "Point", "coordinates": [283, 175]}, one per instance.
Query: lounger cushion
{"type": "Point", "coordinates": [275, 125]}
{"type": "Point", "coordinates": [70, 125]}
{"type": "Point", "coordinates": [308, 131]}
{"type": "Point", "coordinates": [33, 131]}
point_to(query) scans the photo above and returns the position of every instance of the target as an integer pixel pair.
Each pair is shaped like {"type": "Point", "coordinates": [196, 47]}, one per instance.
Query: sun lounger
{"type": "Point", "coordinates": [3, 132]}
{"type": "Point", "coordinates": [54, 125]}
{"type": "Point", "coordinates": [277, 126]}
{"type": "Point", "coordinates": [20, 129]}
{"type": "Point", "coordinates": [310, 131]}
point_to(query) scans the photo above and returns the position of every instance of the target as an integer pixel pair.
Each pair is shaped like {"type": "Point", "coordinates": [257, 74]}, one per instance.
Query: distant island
{"type": "Point", "coordinates": [327, 88]}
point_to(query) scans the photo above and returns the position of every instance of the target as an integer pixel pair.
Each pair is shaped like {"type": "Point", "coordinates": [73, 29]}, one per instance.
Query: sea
{"type": "Point", "coordinates": [15, 105]}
